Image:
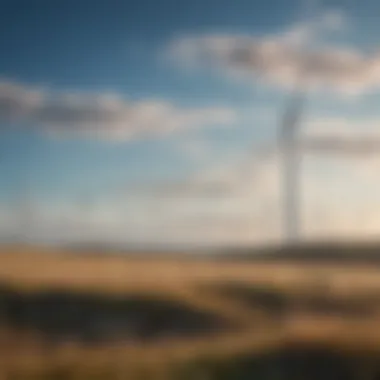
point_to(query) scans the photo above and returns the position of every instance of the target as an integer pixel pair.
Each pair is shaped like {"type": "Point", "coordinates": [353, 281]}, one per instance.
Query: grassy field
{"type": "Point", "coordinates": [203, 318]}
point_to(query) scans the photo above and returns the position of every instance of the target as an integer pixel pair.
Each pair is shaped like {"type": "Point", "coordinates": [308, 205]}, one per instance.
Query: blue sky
{"type": "Point", "coordinates": [105, 46]}
{"type": "Point", "coordinates": [97, 97]}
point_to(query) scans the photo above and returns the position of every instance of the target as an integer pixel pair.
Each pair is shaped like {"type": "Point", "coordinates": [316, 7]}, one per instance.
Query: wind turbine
{"type": "Point", "coordinates": [292, 148]}
{"type": "Point", "coordinates": [24, 215]}
{"type": "Point", "coordinates": [291, 160]}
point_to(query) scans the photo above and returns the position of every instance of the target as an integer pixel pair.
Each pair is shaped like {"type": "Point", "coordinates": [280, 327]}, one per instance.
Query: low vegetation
{"type": "Point", "coordinates": [83, 316]}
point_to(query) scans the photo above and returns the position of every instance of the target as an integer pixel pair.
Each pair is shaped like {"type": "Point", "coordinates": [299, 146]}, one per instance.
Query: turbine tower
{"type": "Point", "coordinates": [291, 160]}
{"type": "Point", "coordinates": [292, 148]}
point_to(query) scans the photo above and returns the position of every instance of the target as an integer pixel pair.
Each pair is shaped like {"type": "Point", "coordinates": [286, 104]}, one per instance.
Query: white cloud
{"type": "Point", "coordinates": [339, 135]}
{"type": "Point", "coordinates": [343, 127]}
{"type": "Point", "coordinates": [17, 101]}
{"type": "Point", "coordinates": [279, 59]}
{"type": "Point", "coordinates": [105, 116]}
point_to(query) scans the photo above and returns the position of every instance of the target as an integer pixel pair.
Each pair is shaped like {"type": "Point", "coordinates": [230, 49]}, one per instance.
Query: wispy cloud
{"type": "Point", "coordinates": [98, 115]}
{"type": "Point", "coordinates": [343, 126]}
{"type": "Point", "coordinates": [279, 58]}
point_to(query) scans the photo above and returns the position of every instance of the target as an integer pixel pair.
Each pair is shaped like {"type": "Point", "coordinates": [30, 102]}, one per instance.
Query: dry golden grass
{"type": "Point", "coordinates": [30, 269]}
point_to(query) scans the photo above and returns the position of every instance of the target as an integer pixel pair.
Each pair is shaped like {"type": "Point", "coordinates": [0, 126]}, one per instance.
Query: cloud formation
{"type": "Point", "coordinates": [339, 135]}
{"type": "Point", "coordinates": [280, 59]}
{"type": "Point", "coordinates": [105, 116]}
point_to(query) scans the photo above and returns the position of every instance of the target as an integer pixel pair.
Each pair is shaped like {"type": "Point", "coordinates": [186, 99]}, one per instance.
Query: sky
{"type": "Point", "coordinates": [154, 122]}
